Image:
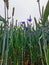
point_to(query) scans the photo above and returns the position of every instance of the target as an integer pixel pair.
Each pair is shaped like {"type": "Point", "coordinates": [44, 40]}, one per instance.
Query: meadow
{"type": "Point", "coordinates": [23, 45]}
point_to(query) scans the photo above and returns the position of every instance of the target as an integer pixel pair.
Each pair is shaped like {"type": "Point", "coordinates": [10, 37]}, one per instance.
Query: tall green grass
{"type": "Point", "coordinates": [19, 44]}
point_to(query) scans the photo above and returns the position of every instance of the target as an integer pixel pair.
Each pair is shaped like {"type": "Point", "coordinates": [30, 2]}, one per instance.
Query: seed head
{"type": "Point", "coordinates": [38, 1]}
{"type": "Point", "coordinates": [7, 3]}
{"type": "Point", "coordinates": [13, 11]}
{"type": "Point", "coordinates": [4, 0]}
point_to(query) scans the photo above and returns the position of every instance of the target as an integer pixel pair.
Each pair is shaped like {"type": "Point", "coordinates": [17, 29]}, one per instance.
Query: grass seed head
{"type": "Point", "coordinates": [13, 11]}
{"type": "Point", "coordinates": [38, 1]}
{"type": "Point", "coordinates": [7, 3]}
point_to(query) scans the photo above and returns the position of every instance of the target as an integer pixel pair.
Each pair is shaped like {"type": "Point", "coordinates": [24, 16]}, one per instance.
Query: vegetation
{"type": "Point", "coordinates": [22, 45]}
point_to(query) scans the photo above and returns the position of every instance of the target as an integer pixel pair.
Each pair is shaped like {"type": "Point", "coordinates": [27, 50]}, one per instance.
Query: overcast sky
{"type": "Point", "coordinates": [23, 8]}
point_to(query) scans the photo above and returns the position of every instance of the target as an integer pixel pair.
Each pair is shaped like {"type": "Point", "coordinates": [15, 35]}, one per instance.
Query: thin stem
{"type": "Point", "coordinates": [22, 49]}
{"type": "Point", "coordinates": [30, 50]}
{"type": "Point", "coordinates": [45, 48]}
{"type": "Point", "coordinates": [22, 55]}
{"type": "Point", "coordinates": [6, 52]}
{"type": "Point", "coordinates": [39, 9]}
{"type": "Point", "coordinates": [7, 41]}
{"type": "Point", "coordinates": [3, 46]}
{"type": "Point", "coordinates": [40, 48]}
{"type": "Point", "coordinates": [5, 9]}
{"type": "Point", "coordinates": [40, 51]}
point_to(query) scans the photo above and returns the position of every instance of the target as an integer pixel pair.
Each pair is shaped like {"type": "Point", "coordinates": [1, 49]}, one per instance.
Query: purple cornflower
{"type": "Point", "coordinates": [32, 33]}
{"type": "Point", "coordinates": [27, 28]}
{"type": "Point", "coordinates": [30, 19]}
{"type": "Point", "coordinates": [23, 22]}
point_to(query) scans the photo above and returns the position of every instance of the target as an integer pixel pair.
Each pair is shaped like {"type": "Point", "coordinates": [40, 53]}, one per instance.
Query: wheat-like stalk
{"type": "Point", "coordinates": [7, 3]}
{"type": "Point", "coordinates": [13, 11]}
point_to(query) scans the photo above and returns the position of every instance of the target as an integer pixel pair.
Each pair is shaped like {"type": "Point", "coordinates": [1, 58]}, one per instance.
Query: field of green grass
{"type": "Point", "coordinates": [23, 45]}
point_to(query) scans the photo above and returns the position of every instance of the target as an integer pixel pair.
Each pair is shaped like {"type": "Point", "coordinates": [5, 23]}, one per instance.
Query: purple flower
{"type": "Point", "coordinates": [27, 28]}
{"type": "Point", "coordinates": [32, 33]}
{"type": "Point", "coordinates": [30, 19]}
{"type": "Point", "coordinates": [23, 22]}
